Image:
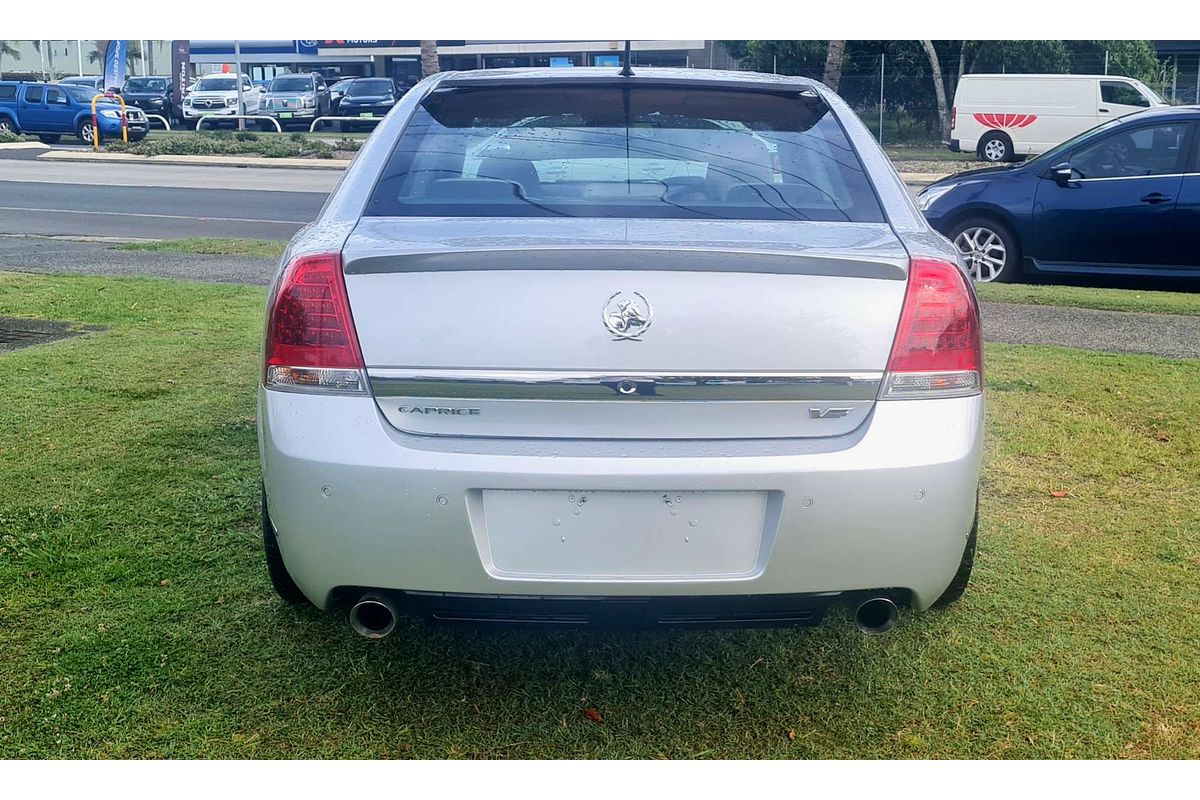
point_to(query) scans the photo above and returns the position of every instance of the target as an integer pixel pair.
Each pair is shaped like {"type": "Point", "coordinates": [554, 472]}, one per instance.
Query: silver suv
{"type": "Point", "coordinates": [574, 347]}
{"type": "Point", "coordinates": [296, 99]}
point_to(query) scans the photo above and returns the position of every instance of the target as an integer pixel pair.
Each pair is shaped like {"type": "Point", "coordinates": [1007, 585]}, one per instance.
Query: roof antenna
{"type": "Point", "coordinates": [627, 69]}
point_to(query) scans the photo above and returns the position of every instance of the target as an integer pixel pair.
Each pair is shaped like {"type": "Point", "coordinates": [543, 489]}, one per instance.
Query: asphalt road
{"type": "Point", "coordinates": [157, 201]}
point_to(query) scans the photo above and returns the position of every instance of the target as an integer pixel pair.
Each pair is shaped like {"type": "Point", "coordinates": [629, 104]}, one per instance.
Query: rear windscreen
{"type": "Point", "coordinates": [613, 151]}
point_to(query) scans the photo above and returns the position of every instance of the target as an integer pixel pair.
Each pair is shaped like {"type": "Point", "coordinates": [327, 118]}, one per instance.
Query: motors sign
{"type": "Point", "coordinates": [371, 44]}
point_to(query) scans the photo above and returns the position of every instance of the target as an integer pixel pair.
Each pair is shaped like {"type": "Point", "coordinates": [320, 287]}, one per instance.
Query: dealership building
{"type": "Point", "coordinates": [400, 58]}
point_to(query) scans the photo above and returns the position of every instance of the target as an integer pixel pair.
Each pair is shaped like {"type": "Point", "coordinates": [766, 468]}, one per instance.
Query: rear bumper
{"type": "Point", "coordinates": [549, 611]}
{"type": "Point", "coordinates": [954, 146]}
{"type": "Point", "coordinates": [357, 503]}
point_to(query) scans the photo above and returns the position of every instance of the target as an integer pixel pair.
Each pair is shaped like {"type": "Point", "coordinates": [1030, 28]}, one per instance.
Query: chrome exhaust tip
{"type": "Point", "coordinates": [876, 616]}
{"type": "Point", "coordinates": [373, 616]}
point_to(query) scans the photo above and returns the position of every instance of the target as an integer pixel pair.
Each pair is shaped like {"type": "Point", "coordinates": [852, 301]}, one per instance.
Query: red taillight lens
{"type": "Point", "coordinates": [938, 350]}
{"type": "Point", "coordinates": [310, 334]}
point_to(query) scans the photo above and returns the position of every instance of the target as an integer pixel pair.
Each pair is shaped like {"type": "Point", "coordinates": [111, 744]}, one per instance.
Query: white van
{"type": "Point", "coordinates": [1007, 117]}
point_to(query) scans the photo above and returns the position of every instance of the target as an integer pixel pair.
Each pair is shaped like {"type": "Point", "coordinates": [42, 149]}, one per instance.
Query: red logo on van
{"type": "Point", "coordinates": [1005, 120]}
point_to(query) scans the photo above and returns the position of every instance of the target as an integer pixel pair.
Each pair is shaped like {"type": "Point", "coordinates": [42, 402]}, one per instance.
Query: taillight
{"type": "Point", "coordinates": [938, 351]}
{"type": "Point", "coordinates": [311, 343]}
{"type": "Point", "coordinates": [953, 117]}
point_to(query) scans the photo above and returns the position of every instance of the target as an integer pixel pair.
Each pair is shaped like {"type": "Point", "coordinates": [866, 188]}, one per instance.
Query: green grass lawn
{"type": "Point", "coordinates": [259, 248]}
{"type": "Point", "coordinates": [918, 153]}
{"type": "Point", "coordinates": [136, 619]}
{"type": "Point", "coordinates": [1092, 297]}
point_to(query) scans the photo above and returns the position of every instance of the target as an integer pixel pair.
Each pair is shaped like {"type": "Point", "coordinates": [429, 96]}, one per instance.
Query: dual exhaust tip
{"type": "Point", "coordinates": [876, 616]}
{"type": "Point", "coordinates": [374, 616]}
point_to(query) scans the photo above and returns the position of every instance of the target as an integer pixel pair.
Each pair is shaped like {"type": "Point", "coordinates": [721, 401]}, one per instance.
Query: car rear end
{"type": "Point", "coordinates": [664, 350]}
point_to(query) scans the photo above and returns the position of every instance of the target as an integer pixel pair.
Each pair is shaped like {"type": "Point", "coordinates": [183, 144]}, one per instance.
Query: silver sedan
{"type": "Point", "coordinates": [577, 347]}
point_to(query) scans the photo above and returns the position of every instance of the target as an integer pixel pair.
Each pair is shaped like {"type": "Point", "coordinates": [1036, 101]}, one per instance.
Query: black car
{"type": "Point", "coordinates": [1122, 198]}
{"type": "Point", "coordinates": [153, 94]}
{"type": "Point", "coordinates": [369, 97]}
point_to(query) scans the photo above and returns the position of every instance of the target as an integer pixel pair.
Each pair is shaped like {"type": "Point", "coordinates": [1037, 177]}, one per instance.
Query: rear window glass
{"type": "Point", "coordinates": [8, 92]}
{"type": "Point", "coordinates": [612, 151]}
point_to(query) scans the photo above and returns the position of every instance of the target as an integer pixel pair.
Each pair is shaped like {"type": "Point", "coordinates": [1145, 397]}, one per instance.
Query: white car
{"type": "Point", "coordinates": [559, 350]}
{"type": "Point", "coordinates": [1007, 117]}
{"type": "Point", "coordinates": [217, 94]}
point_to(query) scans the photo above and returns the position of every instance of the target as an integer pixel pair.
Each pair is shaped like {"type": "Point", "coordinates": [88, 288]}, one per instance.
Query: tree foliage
{"type": "Point", "coordinates": [907, 73]}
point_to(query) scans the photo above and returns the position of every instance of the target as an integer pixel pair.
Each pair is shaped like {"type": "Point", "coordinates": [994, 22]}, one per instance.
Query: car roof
{"type": "Point", "coordinates": [1047, 76]}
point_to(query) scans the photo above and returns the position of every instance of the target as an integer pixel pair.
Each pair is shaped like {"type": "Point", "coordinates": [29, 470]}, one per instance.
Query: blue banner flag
{"type": "Point", "coordinates": [114, 63]}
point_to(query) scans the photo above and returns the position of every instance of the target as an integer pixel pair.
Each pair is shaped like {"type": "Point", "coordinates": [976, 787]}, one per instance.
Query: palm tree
{"type": "Point", "coordinates": [429, 57]}
{"type": "Point", "coordinates": [37, 46]}
{"type": "Point", "coordinates": [7, 49]}
{"type": "Point", "coordinates": [939, 87]}
{"type": "Point", "coordinates": [834, 57]}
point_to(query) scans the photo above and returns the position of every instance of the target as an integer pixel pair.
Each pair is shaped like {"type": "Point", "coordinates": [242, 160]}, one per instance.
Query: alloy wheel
{"type": "Point", "coordinates": [85, 132]}
{"type": "Point", "coordinates": [984, 252]}
{"type": "Point", "coordinates": [994, 150]}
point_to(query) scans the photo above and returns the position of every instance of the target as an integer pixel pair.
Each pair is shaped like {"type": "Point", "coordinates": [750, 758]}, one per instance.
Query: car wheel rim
{"type": "Point", "coordinates": [5, 127]}
{"type": "Point", "coordinates": [85, 133]}
{"type": "Point", "coordinates": [994, 150]}
{"type": "Point", "coordinates": [984, 252]}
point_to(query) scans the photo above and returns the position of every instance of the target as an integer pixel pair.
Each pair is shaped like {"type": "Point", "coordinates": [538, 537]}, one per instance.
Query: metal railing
{"type": "Point", "coordinates": [223, 117]}
{"type": "Point", "coordinates": [313, 128]}
{"type": "Point", "coordinates": [166, 124]}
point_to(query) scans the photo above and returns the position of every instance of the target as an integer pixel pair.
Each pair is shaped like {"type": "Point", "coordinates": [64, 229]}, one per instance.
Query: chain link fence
{"type": "Point", "coordinates": [900, 106]}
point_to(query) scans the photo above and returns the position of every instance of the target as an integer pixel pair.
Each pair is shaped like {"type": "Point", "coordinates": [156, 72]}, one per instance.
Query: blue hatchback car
{"type": "Point", "coordinates": [1122, 198]}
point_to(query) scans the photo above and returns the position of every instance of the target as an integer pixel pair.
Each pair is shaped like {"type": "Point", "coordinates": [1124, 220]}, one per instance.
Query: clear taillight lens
{"type": "Point", "coordinates": [938, 351]}
{"type": "Point", "coordinates": [311, 344]}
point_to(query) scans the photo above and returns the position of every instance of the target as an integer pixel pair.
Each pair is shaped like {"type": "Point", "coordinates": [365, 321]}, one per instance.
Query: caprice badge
{"type": "Point", "coordinates": [627, 315]}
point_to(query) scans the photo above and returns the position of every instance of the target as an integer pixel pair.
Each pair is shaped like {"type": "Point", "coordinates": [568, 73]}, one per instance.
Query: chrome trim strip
{"type": "Point", "coordinates": [624, 257]}
{"type": "Point", "coordinates": [630, 386]}
{"type": "Point", "coordinates": [1132, 177]}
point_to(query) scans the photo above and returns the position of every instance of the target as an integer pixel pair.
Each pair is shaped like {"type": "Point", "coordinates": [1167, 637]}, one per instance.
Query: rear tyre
{"type": "Point", "coordinates": [958, 584]}
{"type": "Point", "coordinates": [281, 579]}
{"type": "Point", "coordinates": [995, 147]}
{"type": "Point", "coordinates": [49, 138]}
{"type": "Point", "coordinates": [989, 248]}
{"type": "Point", "coordinates": [6, 125]}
